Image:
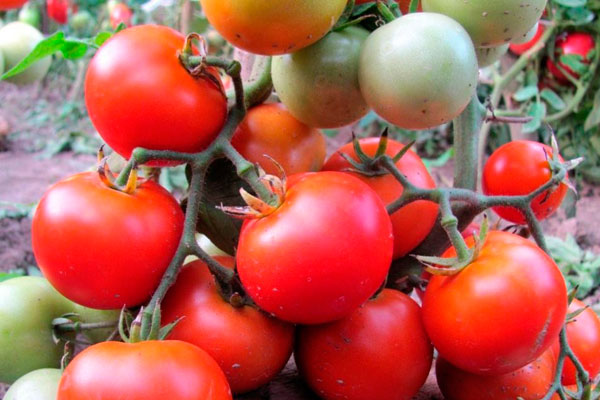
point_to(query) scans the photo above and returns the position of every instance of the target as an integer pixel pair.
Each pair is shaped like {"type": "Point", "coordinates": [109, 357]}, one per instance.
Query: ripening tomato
{"type": "Point", "coordinates": [272, 27]}
{"type": "Point", "coordinates": [501, 312]}
{"type": "Point", "coordinates": [413, 222]}
{"type": "Point", "coordinates": [576, 43]}
{"type": "Point", "coordinates": [527, 160]}
{"type": "Point", "coordinates": [75, 236]}
{"type": "Point", "coordinates": [380, 351]}
{"type": "Point", "coordinates": [125, 93]}
{"type": "Point", "coordinates": [250, 347]}
{"type": "Point", "coordinates": [120, 13]}
{"type": "Point", "coordinates": [10, 4]}
{"type": "Point", "coordinates": [530, 382]}
{"type": "Point", "coordinates": [523, 47]}
{"type": "Point", "coordinates": [153, 370]}
{"type": "Point", "coordinates": [321, 254]}
{"type": "Point", "coordinates": [17, 40]}
{"type": "Point", "coordinates": [41, 384]}
{"type": "Point", "coordinates": [58, 10]}
{"type": "Point", "coordinates": [270, 129]}
{"type": "Point", "coordinates": [404, 5]}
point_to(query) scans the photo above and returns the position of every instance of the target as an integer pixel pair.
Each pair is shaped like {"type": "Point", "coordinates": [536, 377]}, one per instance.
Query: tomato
{"type": "Point", "coordinates": [122, 88]}
{"type": "Point", "coordinates": [321, 254]}
{"type": "Point", "coordinates": [153, 370]}
{"type": "Point", "coordinates": [82, 22]}
{"type": "Point", "coordinates": [250, 347]}
{"type": "Point", "coordinates": [270, 129]}
{"type": "Point", "coordinates": [319, 84]}
{"type": "Point", "coordinates": [268, 27]}
{"type": "Point", "coordinates": [27, 307]}
{"type": "Point", "coordinates": [30, 15]}
{"type": "Point", "coordinates": [530, 382]}
{"type": "Point", "coordinates": [41, 384]}
{"type": "Point", "coordinates": [58, 10]}
{"type": "Point", "coordinates": [490, 23]}
{"type": "Point", "coordinates": [74, 242]}
{"type": "Point", "coordinates": [413, 222]}
{"type": "Point", "coordinates": [529, 161]}
{"type": "Point", "coordinates": [10, 4]}
{"type": "Point", "coordinates": [487, 56]}
{"type": "Point", "coordinates": [577, 43]}
{"type": "Point", "coordinates": [404, 5]}
{"type": "Point", "coordinates": [501, 312]}
{"type": "Point", "coordinates": [17, 39]}
{"type": "Point", "coordinates": [418, 84]}
{"type": "Point", "coordinates": [380, 351]}
{"type": "Point", "coordinates": [523, 47]}
{"type": "Point", "coordinates": [120, 13]}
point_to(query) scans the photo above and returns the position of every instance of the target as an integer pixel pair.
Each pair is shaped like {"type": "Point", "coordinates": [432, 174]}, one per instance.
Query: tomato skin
{"type": "Point", "coordinates": [487, 56]}
{"type": "Point", "coordinates": [529, 161]}
{"type": "Point", "coordinates": [530, 382]}
{"type": "Point", "coordinates": [394, 82]}
{"type": "Point", "coordinates": [319, 84]}
{"type": "Point", "coordinates": [413, 222]}
{"type": "Point", "coordinates": [17, 40]}
{"type": "Point", "coordinates": [150, 370]}
{"type": "Point", "coordinates": [380, 351]}
{"type": "Point", "coordinates": [580, 43]}
{"type": "Point", "coordinates": [522, 48]}
{"type": "Point", "coordinates": [318, 241]}
{"type": "Point", "coordinates": [514, 287]}
{"type": "Point", "coordinates": [250, 347]}
{"type": "Point", "coordinates": [41, 384]}
{"type": "Point", "coordinates": [120, 13]}
{"type": "Point", "coordinates": [130, 114]}
{"type": "Point", "coordinates": [58, 10]}
{"type": "Point", "coordinates": [73, 236]}
{"type": "Point", "coordinates": [270, 28]}
{"type": "Point", "coordinates": [272, 130]}
{"type": "Point", "coordinates": [10, 4]}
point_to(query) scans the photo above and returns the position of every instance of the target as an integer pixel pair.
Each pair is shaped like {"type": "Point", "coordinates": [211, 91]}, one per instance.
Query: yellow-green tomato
{"type": "Point", "coordinates": [486, 56]}
{"type": "Point", "coordinates": [41, 384]}
{"type": "Point", "coordinates": [319, 84]}
{"type": "Point", "coordinates": [17, 39]}
{"type": "Point", "coordinates": [27, 307]}
{"type": "Point", "coordinates": [90, 315]}
{"type": "Point", "coordinates": [491, 22]}
{"type": "Point", "coordinates": [418, 71]}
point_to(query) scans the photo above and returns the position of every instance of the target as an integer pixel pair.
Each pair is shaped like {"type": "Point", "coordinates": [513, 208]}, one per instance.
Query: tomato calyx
{"type": "Point", "coordinates": [131, 330]}
{"type": "Point", "coordinates": [189, 60]}
{"type": "Point", "coordinates": [557, 167]}
{"type": "Point", "coordinates": [107, 177]}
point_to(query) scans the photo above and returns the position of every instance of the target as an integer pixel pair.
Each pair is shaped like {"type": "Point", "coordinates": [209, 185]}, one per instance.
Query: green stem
{"type": "Point", "coordinates": [466, 145]}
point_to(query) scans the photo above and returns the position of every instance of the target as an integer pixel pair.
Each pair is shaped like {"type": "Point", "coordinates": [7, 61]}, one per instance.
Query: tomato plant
{"type": "Point", "coordinates": [73, 237]}
{"type": "Point", "coordinates": [344, 359]}
{"type": "Point", "coordinates": [17, 39]}
{"type": "Point", "coordinates": [248, 345]}
{"type": "Point", "coordinates": [317, 242]}
{"type": "Point", "coordinates": [269, 129]}
{"type": "Point", "coordinates": [530, 162]}
{"type": "Point", "coordinates": [143, 371]}
{"type": "Point", "coordinates": [404, 5]}
{"type": "Point", "coordinates": [131, 114]}
{"type": "Point", "coordinates": [512, 286]}
{"type": "Point", "coordinates": [41, 384]}
{"type": "Point", "coordinates": [575, 44]}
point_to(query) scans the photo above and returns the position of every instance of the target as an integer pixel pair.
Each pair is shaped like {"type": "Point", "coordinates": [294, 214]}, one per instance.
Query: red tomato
{"type": "Point", "coordinates": [501, 312]}
{"type": "Point", "coordinates": [580, 43]}
{"type": "Point", "coordinates": [10, 4]}
{"type": "Point", "coordinates": [125, 93]}
{"type": "Point", "coordinates": [270, 129]}
{"type": "Point", "coordinates": [154, 370]}
{"type": "Point", "coordinates": [519, 168]}
{"type": "Point", "coordinates": [58, 10]}
{"type": "Point", "coordinates": [103, 248]}
{"type": "Point", "coordinates": [380, 351]}
{"type": "Point", "coordinates": [413, 222]}
{"type": "Point", "coordinates": [321, 254]}
{"type": "Point", "coordinates": [528, 383]}
{"type": "Point", "coordinates": [522, 48]}
{"type": "Point", "coordinates": [120, 13]}
{"type": "Point", "coordinates": [404, 5]}
{"type": "Point", "coordinates": [250, 347]}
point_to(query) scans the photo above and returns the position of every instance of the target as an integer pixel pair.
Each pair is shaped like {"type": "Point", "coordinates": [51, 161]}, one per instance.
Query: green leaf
{"type": "Point", "coordinates": [574, 62]}
{"type": "Point", "coordinates": [45, 48]}
{"type": "Point", "coordinates": [593, 118]}
{"type": "Point", "coordinates": [553, 99]}
{"type": "Point", "coordinates": [526, 93]}
{"type": "Point", "coordinates": [4, 276]}
{"type": "Point", "coordinates": [101, 38]}
{"type": "Point", "coordinates": [538, 112]}
{"type": "Point", "coordinates": [571, 3]}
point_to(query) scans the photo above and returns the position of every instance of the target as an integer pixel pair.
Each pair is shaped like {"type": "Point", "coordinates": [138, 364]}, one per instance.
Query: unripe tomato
{"type": "Point", "coordinates": [380, 351]}
{"type": "Point", "coordinates": [490, 23]}
{"type": "Point", "coordinates": [270, 129]}
{"type": "Point", "coordinates": [30, 15]}
{"type": "Point", "coordinates": [74, 237]}
{"type": "Point", "coordinates": [153, 370]}
{"type": "Point", "coordinates": [487, 56]}
{"type": "Point", "coordinates": [58, 10]}
{"type": "Point", "coordinates": [41, 384]}
{"type": "Point", "coordinates": [579, 43]}
{"type": "Point", "coordinates": [530, 382]}
{"type": "Point", "coordinates": [250, 347]}
{"type": "Point", "coordinates": [120, 13]}
{"type": "Point", "coordinates": [418, 84]}
{"type": "Point", "coordinates": [404, 5]}
{"type": "Point", "coordinates": [527, 160]}
{"type": "Point", "coordinates": [17, 39]}
{"type": "Point", "coordinates": [501, 312]}
{"type": "Point", "coordinates": [10, 4]}
{"type": "Point", "coordinates": [319, 84]}
{"type": "Point", "coordinates": [125, 94]}
{"type": "Point", "coordinates": [272, 27]}
{"type": "Point", "coordinates": [523, 47]}
{"type": "Point", "coordinates": [82, 22]}
{"type": "Point", "coordinates": [413, 222]}
{"type": "Point", "coordinates": [321, 254]}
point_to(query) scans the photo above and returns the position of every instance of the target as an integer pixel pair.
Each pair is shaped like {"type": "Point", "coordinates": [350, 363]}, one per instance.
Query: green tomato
{"type": "Point", "coordinates": [528, 37]}
{"type": "Point", "coordinates": [82, 22]}
{"type": "Point", "coordinates": [89, 315]}
{"type": "Point", "coordinates": [486, 56]}
{"type": "Point", "coordinates": [319, 84]}
{"type": "Point", "coordinates": [27, 307]}
{"type": "Point", "coordinates": [418, 71]}
{"type": "Point", "coordinates": [41, 384]}
{"type": "Point", "coordinates": [29, 14]}
{"type": "Point", "coordinates": [17, 39]}
{"type": "Point", "coordinates": [491, 22]}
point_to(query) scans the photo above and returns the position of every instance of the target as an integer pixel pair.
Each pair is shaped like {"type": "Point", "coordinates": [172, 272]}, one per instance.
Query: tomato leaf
{"type": "Point", "coordinates": [574, 62]}
{"type": "Point", "coordinates": [526, 93]}
{"type": "Point", "coordinates": [571, 3]}
{"type": "Point", "coordinates": [538, 112]}
{"type": "Point", "coordinates": [553, 99]}
{"type": "Point", "coordinates": [4, 276]}
{"type": "Point", "coordinates": [593, 118]}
